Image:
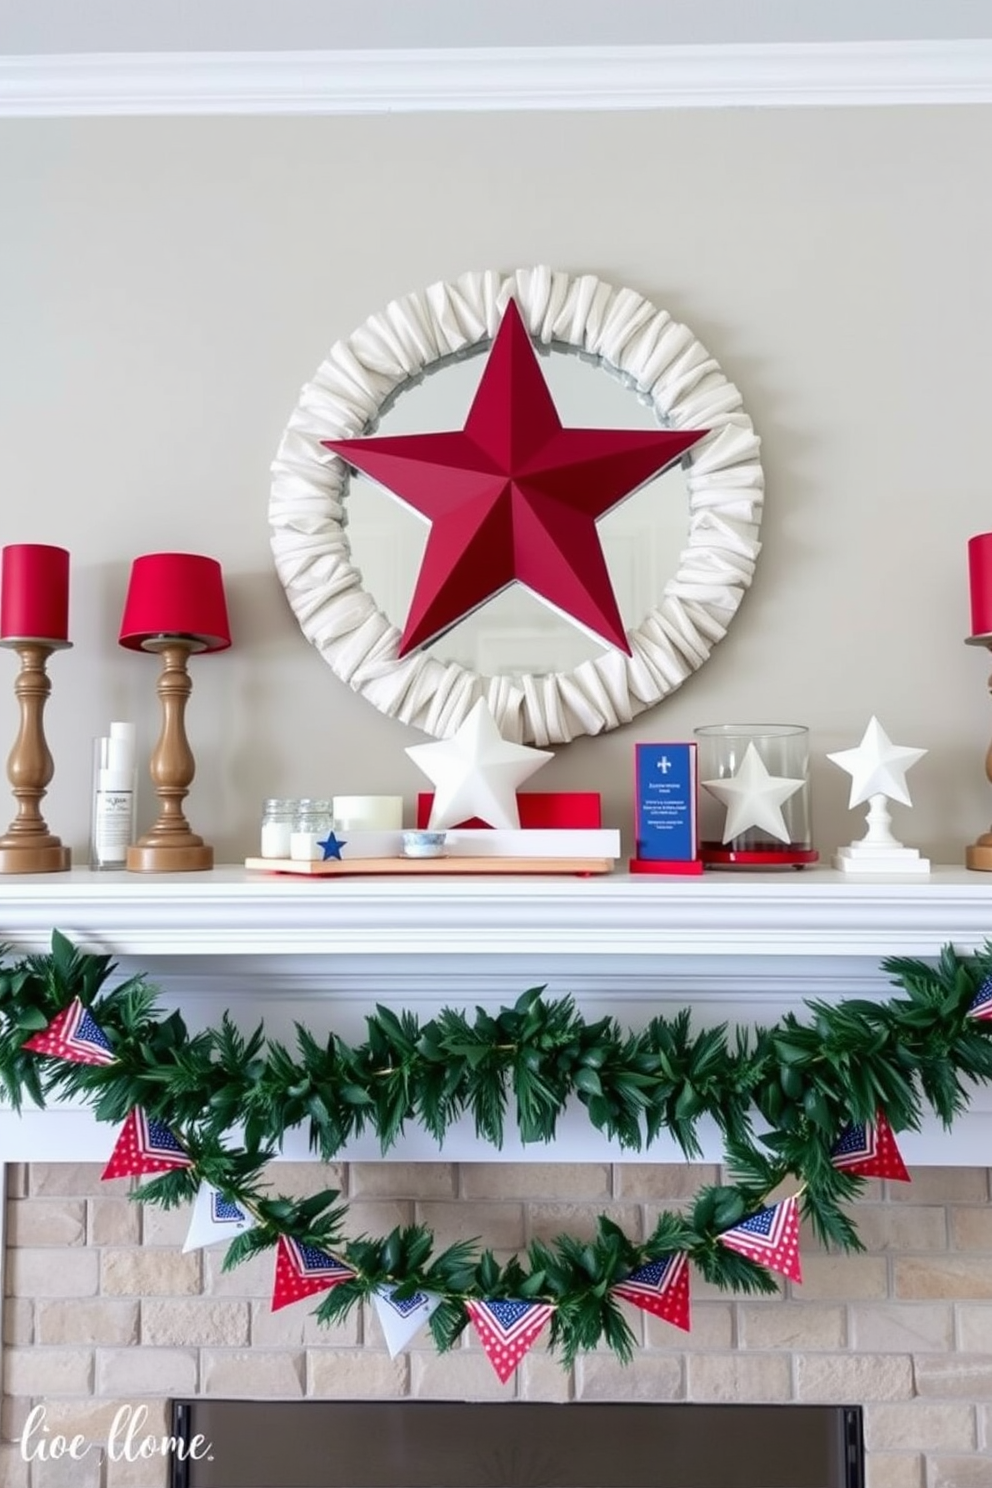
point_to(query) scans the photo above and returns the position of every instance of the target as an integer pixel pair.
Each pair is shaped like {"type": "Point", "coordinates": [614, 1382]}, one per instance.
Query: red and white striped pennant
{"type": "Point", "coordinates": [303, 1270]}
{"type": "Point", "coordinates": [145, 1146]}
{"type": "Point", "coordinates": [507, 1329]}
{"type": "Point", "coordinates": [981, 1004]}
{"type": "Point", "coordinates": [73, 1035]}
{"type": "Point", "coordinates": [661, 1287]}
{"type": "Point", "coordinates": [770, 1237]}
{"type": "Point", "coordinates": [870, 1151]}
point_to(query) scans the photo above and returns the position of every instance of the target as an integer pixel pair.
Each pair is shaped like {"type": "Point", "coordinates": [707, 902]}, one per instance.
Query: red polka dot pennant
{"type": "Point", "coordinates": [507, 1329]}
{"type": "Point", "coordinates": [770, 1237]}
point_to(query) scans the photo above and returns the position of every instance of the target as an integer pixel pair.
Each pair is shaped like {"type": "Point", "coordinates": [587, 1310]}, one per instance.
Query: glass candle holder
{"type": "Point", "coordinates": [754, 797]}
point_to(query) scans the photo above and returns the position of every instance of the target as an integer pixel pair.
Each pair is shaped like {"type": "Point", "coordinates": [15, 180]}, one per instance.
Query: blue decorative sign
{"type": "Point", "coordinates": [666, 802]}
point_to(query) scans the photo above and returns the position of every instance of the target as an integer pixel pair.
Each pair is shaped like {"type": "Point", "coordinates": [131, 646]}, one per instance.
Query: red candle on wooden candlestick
{"type": "Point", "coordinates": [980, 577]}
{"type": "Point", "coordinates": [34, 593]}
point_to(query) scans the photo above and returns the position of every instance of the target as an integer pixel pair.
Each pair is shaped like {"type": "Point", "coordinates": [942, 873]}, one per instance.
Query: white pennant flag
{"type": "Point", "coordinates": [214, 1219]}
{"type": "Point", "coordinates": [401, 1320]}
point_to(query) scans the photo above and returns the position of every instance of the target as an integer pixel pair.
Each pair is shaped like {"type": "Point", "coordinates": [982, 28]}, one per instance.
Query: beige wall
{"type": "Point", "coordinates": [166, 286]}
{"type": "Point", "coordinates": [103, 1309]}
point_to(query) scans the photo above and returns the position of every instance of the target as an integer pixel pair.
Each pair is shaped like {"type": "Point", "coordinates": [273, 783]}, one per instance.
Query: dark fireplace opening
{"type": "Point", "coordinates": [448, 1444]}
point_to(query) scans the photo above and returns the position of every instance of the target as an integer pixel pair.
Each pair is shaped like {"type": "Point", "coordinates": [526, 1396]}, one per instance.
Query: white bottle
{"type": "Point", "coordinates": [113, 797]}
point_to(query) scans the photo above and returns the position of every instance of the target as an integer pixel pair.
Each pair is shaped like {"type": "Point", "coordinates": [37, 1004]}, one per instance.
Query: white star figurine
{"type": "Point", "coordinates": [754, 798]}
{"type": "Point", "coordinates": [877, 767]}
{"type": "Point", "coordinates": [476, 772]}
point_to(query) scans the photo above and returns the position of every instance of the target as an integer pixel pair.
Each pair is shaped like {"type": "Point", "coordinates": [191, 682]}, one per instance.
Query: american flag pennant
{"type": "Point", "coordinates": [981, 1004]}
{"type": "Point", "coordinates": [870, 1151]}
{"type": "Point", "coordinates": [770, 1237]}
{"type": "Point", "coordinates": [507, 1328]}
{"type": "Point", "coordinates": [661, 1287]}
{"type": "Point", "coordinates": [73, 1035]}
{"type": "Point", "coordinates": [302, 1270]}
{"type": "Point", "coordinates": [401, 1321]}
{"type": "Point", "coordinates": [214, 1218]}
{"type": "Point", "coordinates": [145, 1146]}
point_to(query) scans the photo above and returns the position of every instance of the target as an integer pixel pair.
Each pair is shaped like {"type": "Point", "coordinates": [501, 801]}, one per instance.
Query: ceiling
{"type": "Point", "coordinates": [37, 27]}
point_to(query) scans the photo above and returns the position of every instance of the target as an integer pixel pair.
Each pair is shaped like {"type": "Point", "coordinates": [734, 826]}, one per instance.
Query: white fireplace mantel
{"type": "Point", "coordinates": [738, 947]}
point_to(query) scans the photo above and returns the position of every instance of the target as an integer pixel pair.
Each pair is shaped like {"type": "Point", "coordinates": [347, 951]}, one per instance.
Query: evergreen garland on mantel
{"type": "Point", "coordinates": [807, 1081]}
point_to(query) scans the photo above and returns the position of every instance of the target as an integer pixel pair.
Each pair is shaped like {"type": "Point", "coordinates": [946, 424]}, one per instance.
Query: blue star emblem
{"type": "Point", "coordinates": [331, 847]}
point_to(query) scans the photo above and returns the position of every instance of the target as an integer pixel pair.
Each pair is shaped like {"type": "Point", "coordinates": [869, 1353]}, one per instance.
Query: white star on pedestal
{"type": "Point", "coordinates": [754, 798]}
{"type": "Point", "coordinates": [476, 772]}
{"type": "Point", "coordinates": [877, 767]}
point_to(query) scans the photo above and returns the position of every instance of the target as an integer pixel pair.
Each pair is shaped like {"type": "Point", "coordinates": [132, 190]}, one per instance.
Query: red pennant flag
{"type": "Point", "coordinates": [770, 1237]}
{"type": "Point", "coordinates": [145, 1146]}
{"type": "Point", "coordinates": [981, 1006]}
{"type": "Point", "coordinates": [870, 1151]}
{"type": "Point", "coordinates": [507, 1328]}
{"type": "Point", "coordinates": [73, 1035]}
{"type": "Point", "coordinates": [302, 1270]}
{"type": "Point", "coordinates": [661, 1287]}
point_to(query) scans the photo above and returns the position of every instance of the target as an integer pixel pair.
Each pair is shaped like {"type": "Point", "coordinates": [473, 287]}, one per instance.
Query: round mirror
{"type": "Point", "coordinates": [680, 550]}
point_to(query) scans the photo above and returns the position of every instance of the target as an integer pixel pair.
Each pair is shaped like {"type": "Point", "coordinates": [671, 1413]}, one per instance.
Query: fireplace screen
{"type": "Point", "coordinates": [441, 1444]}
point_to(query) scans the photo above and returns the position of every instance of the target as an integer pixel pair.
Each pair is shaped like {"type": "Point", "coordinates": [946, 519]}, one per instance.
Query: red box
{"type": "Point", "coordinates": [560, 809]}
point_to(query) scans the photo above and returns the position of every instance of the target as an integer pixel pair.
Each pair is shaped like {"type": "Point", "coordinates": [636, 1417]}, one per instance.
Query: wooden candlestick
{"type": "Point", "coordinates": [170, 846]}
{"type": "Point", "coordinates": [979, 854]}
{"type": "Point", "coordinates": [28, 846]}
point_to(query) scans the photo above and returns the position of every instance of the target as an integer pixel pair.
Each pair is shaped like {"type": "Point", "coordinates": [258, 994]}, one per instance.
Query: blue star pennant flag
{"type": "Point", "coordinates": [302, 1270]}
{"type": "Point", "coordinates": [870, 1151]}
{"type": "Point", "coordinates": [145, 1146]}
{"type": "Point", "coordinates": [660, 1287]}
{"type": "Point", "coordinates": [981, 1006]}
{"type": "Point", "coordinates": [73, 1035]}
{"type": "Point", "coordinates": [770, 1237]}
{"type": "Point", "coordinates": [507, 1329]}
{"type": "Point", "coordinates": [401, 1320]}
{"type": "Point", "coordinates": [214, 1218]}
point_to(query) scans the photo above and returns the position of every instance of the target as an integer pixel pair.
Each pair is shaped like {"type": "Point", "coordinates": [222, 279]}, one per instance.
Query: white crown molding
{"type": "Point", "coordinates": [498, 78]}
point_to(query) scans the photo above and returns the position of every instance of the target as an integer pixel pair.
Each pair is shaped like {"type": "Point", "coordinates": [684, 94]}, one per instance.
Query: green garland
{"type": "Point", "coordinates": [806, 1080]}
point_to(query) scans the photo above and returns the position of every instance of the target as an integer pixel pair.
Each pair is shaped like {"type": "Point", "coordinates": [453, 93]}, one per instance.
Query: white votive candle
{"type": "Point", "coordinates": [370, 813]}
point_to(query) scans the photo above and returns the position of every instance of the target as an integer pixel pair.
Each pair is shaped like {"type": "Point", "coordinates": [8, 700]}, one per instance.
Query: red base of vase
{"type": "Point", "coordinates": [715, 855]}
{"type": "Point", "coordinates": [680, 866]}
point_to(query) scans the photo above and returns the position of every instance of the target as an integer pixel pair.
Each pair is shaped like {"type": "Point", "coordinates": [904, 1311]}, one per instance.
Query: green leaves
{"type": "Point", "coordinates": [807, 1079]}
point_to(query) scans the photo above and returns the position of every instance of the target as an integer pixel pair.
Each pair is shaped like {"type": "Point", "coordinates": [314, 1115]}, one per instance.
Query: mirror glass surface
{"type": "Point", "coordinates": [515, 633]}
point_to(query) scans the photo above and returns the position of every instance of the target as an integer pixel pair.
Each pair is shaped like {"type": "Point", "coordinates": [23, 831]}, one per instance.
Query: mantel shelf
{"type": "Point", "coordinates": [737, 947]}
{"type": "Point", "coordinates": [233, 912]}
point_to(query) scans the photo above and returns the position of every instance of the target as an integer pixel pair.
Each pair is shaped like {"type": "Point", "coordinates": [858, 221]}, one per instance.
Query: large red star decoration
{"type": "Point", "coordinates": [514, 496]}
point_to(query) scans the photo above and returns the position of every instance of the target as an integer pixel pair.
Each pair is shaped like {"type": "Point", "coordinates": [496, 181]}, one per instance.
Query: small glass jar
{"type": "Point", "coordinates": [314, 820]}
{"type": "Point", "coordinates": [762, 818]}
{"type": "Point", "coordinates": [278, 817]}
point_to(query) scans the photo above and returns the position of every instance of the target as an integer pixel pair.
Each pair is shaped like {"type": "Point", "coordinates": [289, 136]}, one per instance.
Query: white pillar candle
{"type": "Point", "coordinates": [368, 813]}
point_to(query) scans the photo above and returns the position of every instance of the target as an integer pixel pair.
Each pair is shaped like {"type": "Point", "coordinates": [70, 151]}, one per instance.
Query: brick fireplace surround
{"type": "Point", "coordinates": [101, 1307]}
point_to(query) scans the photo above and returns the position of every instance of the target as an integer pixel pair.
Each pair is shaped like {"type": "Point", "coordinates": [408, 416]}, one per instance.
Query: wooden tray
{"type": "Point", "coordinates": [350, 867]}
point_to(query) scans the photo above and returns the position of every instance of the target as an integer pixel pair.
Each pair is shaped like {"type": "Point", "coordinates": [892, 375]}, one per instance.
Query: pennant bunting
{"type": "Point", "coordinates": [870, 1151]}
{"type": "Point", "coordinates": [981, 1005]}
{"type": "Point", "coordinates": [73, 1035]}
{"type": "Point", "coordinates": [661, 1287]}
{"type": "Point", "coordinates": [302, 1270]}
{"type": "Point", "coordinates": [507, 1329]}
{"type": "Point", "coordinates": [214, 1218]}
{"type": "Point", "coordinates": [770, 1237]}
{"type": "Point", "coordinates": [400, 1321]}
{"type": "Point", "coordinates": [145, 1146]}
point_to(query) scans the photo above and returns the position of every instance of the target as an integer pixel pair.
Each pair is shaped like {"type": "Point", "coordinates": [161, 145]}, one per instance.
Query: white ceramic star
{"type": "Point", "coordinates": [877, 767]}
{"type": "Point", "coordinates": [754, 798]}
{"type": "Point", "coordinates": [476, 772]}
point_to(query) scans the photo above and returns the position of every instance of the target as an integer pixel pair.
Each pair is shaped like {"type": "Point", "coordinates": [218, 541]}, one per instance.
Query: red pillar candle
{"type": "Point", "coordinates": [34, 593]}
{"type": "Point", "coordinates": [980, 577]}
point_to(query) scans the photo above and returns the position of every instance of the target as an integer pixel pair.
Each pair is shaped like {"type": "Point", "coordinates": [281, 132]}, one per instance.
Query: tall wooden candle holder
{"type": "Point", "coordinates": [170, 846]}
{"type": "Point", "coordinates": [28, 846]}
{"type": "Point", "coordinates": [979, 854]}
